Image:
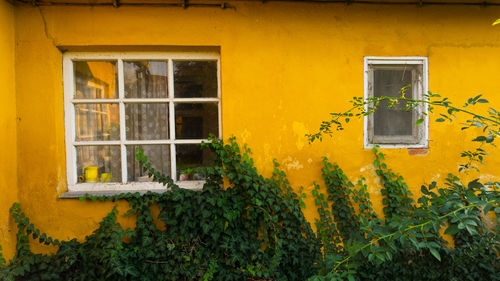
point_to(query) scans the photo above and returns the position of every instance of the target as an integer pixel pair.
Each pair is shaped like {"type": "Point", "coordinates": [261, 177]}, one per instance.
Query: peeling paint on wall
{"type": "Point", "coordinates": [292, 164]}
{"type": "Point", "coordinates": [299, 129]}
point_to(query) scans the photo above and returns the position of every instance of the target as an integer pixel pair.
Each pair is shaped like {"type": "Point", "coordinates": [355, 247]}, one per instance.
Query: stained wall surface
{"type": "Point", "coordinates": [8, 137]}
{"type": "Point", "coordinates": [284, 67]}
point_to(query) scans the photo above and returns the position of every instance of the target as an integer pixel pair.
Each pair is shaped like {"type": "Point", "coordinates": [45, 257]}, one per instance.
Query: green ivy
{"type": "Point", "coordinates": [397, 197]}
{"type": "Point", "coordinates": [252, 230]}
{"type": "Point", "coordinates": [339, 190]}
{"type": "Point", "coordinates": [407, 244]}
{"type": "Point", "coordinates": [255, 230]}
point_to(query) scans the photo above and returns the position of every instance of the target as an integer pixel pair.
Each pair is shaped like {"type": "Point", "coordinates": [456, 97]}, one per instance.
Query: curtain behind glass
{"type": "Point", "coordinates": [147, 121]}
{"type": "Point", "coordinates": [392, 121]}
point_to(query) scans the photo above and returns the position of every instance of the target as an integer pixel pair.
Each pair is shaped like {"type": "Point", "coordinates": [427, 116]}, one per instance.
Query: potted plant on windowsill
{"type": "Point", "coordinates": [185, 174]}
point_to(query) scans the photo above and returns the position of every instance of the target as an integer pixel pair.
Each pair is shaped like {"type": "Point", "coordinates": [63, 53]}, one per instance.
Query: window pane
{"type": "Point", "coordinates": [145, 79]}
{"type": "Point", "coordinates": [148, 121]}
{"type": "Point", "coordinates": [196, 120]}
{"type": "Point", "coordinates": [195, 79]}
{"type": "Point", "coordinates": [97, 122]}
{"type": "Point", "coordinates": [98, 163]}
{"type": "Point", "coordinates": [188, 158]}
{"type": "Point", "coordinates": [158, 155]}
{"type": "Point", "coordinates": [392, 121]}
{"type": "Point", "coordinates": [95, 79]}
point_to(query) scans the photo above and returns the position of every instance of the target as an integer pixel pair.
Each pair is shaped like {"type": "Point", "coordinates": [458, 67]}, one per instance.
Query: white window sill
{"type": "Point", "coordinates": [410, 146]}
{"type": "Point", "coordinates": [110, 189]}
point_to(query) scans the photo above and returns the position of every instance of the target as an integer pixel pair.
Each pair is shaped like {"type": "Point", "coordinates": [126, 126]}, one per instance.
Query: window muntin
{"type": "Point", "coordinates": [115, 103]}
{"type": "Point", "coordinates": [395, 127]}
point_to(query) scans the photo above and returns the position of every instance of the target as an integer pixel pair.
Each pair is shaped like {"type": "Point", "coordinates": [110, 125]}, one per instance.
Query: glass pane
{"type": "Point", "coordinates": [188, 158]}
{"type": "Point", "coordinates": [392, 121]}
{"type": "Point", "coordinates": [145, 79]}
{"type": "Point", "coordinates": [95, 79]}
{"type": "Point", "coordinates": [98, 163]}
{"type": "Point", "coordinates": [148, 121]}
{"type": "Point", "coordinates": [158, 155]}
{"type": "Point", "coordinates": [195, 79]}
{"type": "Point", "coordinates": [97, 122]}
{"type": "Point", "coordinates": [196, 120]}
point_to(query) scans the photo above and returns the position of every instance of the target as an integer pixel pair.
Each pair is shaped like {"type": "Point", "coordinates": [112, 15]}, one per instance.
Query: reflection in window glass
{"type": "Point", "coordinates": [146, 121]}
{"type": "Point", "coordinates": [98, 163]}
{"type": "Point", "coordinates": [196, 120]}
{"type": "Point", "coordinates": [97, 122]}
{"type": "Point", "coordinates": [95, 79]}
{"type": "Point", "coordinates": [189, 157]}
{"type": "Point", "coordinates": [145, 79]}
{"type": "Point", "coordinates": [165, 104]}
{"type": "Point", "coordinates": [392, 121]}
{"type": "Point", "coordinates": [195, 79]}
{"type": "Point", "coordinates": [158, 156]}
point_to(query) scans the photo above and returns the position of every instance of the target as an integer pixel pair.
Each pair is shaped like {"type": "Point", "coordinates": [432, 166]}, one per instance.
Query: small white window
{"type": "Point", "coordinates": [394, 127]}
{"type": "Point", "coordinates": [163, 103]}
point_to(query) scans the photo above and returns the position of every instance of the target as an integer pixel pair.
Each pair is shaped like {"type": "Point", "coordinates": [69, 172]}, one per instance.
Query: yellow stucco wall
{"type": "Point", "coordinates": [8, 138]}
{"type": "Point", "coordinates": [284, 66]}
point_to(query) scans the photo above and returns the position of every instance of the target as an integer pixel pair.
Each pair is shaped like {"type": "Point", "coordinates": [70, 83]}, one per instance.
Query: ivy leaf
{"type": "Point", "coordinates": [452, 230]}
{"type": "Point", "coordinates": [487, 208]}
{"type": "Point", "coordinates": [435, 253]}
{"type": "Point", "coordinates": [440, 120]}
{"type": "Point", "coordinates": [419, 121]}
{"type": "Point", "coordinates": [475, 184]}
{"type": "Point", "coordinates": [480, 139]}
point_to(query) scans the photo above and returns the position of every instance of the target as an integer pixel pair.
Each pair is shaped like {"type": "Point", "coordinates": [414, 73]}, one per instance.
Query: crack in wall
{"type": "Point", "coordinates": [45, 27]}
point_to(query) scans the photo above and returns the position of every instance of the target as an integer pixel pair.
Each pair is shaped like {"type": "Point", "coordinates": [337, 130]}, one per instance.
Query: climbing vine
{"type": "Point", "coordinates": [252, 227]}
{"type": "Point", "coordinates": [406, 244]}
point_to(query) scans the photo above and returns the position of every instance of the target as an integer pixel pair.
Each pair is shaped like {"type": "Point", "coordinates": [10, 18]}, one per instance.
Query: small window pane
{"type": "Point", "coordinates": [392, 121]}
{"type": "Point", "coordinates": [95, 79]}
{"type": "Point", "coordinates": [189, 157]}
{"type": "Point", "coordinates": [148, 121]}
{"type": "Point", "coordinates": [97, 122]}
{"type": "Point", "coordinates": [158, 156]}
{"type": "Point", "coordinates": [195, 79]}
{"type": "Point", "coordinates": [145, 79]}
{"type": "Point", "coordinates": [98, 163]}
{"type": "Point", "coordinates": [196, 120]}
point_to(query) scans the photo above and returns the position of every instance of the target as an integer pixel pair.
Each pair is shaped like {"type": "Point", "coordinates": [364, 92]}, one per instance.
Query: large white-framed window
{"type": "Point", "coordinates": [394, 127]}
{"type": "Point", "coordinates": [163, 103]}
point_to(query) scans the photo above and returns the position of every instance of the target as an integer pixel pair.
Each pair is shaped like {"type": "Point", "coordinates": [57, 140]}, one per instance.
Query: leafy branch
{"type": "Point", "coordinates": [489, 124]}
{"type": "Point", "coordinates": [433, 250]}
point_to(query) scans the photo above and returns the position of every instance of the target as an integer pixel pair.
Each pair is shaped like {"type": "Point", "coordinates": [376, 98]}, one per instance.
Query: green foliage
{"type": "Point", "coordinates": [252, 230]}
{"type": "Point", "coordinates": [326, 229]}
{"type": "Point", "coordinates": [339, 189]}
{"type": "Point", "coordinates": [361, 197]}
{"type": "Point", "coordinates": [407, 244]}
{"type": "Point", "coordinates": [255, 230]}
{"type": "Point", "coordinates": [397, 197]}
{"type": "Point", "coordinates": [488, 124]}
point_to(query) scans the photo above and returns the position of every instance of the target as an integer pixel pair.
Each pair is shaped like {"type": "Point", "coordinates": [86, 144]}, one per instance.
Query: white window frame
{"type": "Point", "coordinates": [70, 126]}
{"type": "Point", "coordinates": [421, 136]}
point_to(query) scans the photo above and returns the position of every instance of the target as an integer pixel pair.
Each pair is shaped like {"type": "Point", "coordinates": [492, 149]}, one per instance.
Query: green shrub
{"type": "Point", "coordinates": [254, 229]}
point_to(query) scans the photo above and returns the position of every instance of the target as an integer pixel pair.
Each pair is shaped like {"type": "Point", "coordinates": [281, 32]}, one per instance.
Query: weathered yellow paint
{"type": "Point", "coordinates": [8, 137]}
{"type": "Point", "coordinates": [285, 66]}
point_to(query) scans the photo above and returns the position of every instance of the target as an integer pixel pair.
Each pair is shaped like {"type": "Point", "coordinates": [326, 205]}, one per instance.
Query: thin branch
{"type": "Point", "coordinates": [375, 241]}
